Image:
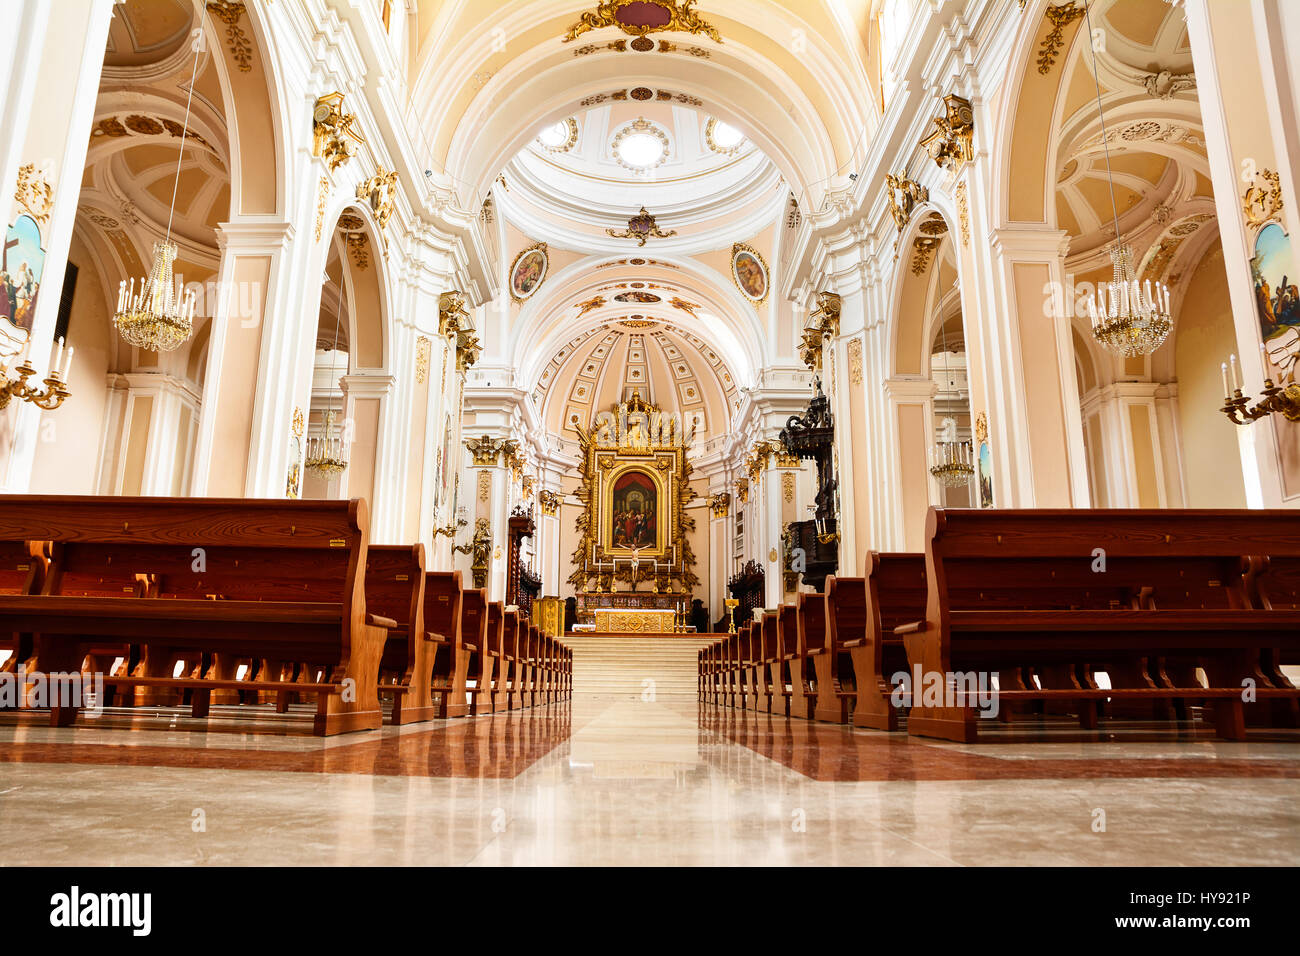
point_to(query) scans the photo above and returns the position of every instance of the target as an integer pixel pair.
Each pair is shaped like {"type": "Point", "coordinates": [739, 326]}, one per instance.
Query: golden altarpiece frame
{"type": "Point", "coordinates": [633, 529]}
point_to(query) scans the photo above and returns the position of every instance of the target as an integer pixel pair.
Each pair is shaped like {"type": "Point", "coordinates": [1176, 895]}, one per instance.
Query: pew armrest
{"type": "Point", "coordinates": [375, 620]}
{"type": "Point", "coordinates": [913, 628]}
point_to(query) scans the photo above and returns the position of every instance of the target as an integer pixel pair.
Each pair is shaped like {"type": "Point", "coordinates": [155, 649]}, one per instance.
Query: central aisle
{"type": "Point", "coordinates": [609, 780]}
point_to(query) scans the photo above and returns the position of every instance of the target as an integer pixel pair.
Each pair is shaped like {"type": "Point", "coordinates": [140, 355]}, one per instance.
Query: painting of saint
{"type": "Point", "coordinates": [985, 476]}
{"type": "Point", "coordinates": [1277, 299]}
{"type": "Point", "coordinates": [634, 511]}
{"type": "Point", "coordinates": [636, 296]}
{"type": "Point", "coordinates": [750, 272]}
{"type": "Point", "coordinates": [22, 262]}
{"type": "Point", "coordinates": [528, 271]}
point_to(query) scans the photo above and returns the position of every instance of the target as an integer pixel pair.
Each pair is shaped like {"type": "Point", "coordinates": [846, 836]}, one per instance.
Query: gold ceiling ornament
{"type": "Point", "coordinates": [485, 450]}
{"type": "Point", "coordinates": [511, 458]}
{"type": "Point", "coordinates": [645, 16]}
{"type": "Point", "coordinates": [710, 129]}
{"type": "Point", "coordinates": [742, 490]}
{"type": "Point", "coordinates": [963, 214]}
{"type": "Point", "coordinates": [527, 487]}
{"type": "Point", "coordinates": [56, 389]}
{"type": "Point", "coordinates": [454, 321]}
{"type": "Point", "coordinates": [299, 422]}
{"type": "Point", "coordinates": [229, 12]}
{"type": "Point", "coordinates": [333, 131]}
{"type": "Point", "coordinates": [903, 195]}
{"type": "Point", "coordinates": [784, 459]}
{"type": "Point", "coordinates": [423, 349]}
{"type": "Point", "coordinates": [322, 201]}
{"type": "Point", "coordinates": [923, 248]}
{"type": "Point", "coordinates": [452, 316]}
{"type": "Point", "coordinates": [380, 191]}
{"type": "Point", "coordinates": [720, 504]}
{"type": "Point", "coordinates": [354, 236]}
{"type": "Point", "coordinates": [1061, 17]}
{"type": "Point", "coordinates": [34, 193]}
{"type": "Point", "coordinates": [951, 144]}
{"type": "Point", "coordinates": [683, 305]}
{"type": "Point", "coordinates": [1262, 202]}
{"type": "Point", "coordinates": [822, 323]}
{"type": "Point", "coordinates": [982, 428]}
{"type": "Point", "coordinates": [592, 303]}
{"type": "Point", "coordinates": [549, 500]}
{"type": "Point", "coordinates": [641, 227]}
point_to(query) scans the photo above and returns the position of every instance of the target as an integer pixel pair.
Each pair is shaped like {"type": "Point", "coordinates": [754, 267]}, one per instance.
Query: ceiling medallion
{"type": "Point", "coordinates": [561, 137]}
{"type": "Point", "coordinates": [641, 227]}
{"type": "Point", "coordinates": [639, 17]}
{"type": "Point", "coordinates": [640, 136]}
{"type": "Point", "coordinates": [721, 138]}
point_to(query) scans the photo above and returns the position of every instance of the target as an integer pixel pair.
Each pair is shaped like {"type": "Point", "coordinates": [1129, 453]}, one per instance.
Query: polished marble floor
{"type": "Point", "coordinates": [616, 781]}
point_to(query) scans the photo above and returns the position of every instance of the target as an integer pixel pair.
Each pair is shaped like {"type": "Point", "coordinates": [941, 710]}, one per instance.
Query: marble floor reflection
{"type": "Point", "coordinates": [612, 781]}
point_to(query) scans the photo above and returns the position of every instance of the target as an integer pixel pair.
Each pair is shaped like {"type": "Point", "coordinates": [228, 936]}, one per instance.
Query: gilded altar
{"type": "Point", "coordinates": [611, 620]}
{"type": "Point", "coordinates": [635, 484]}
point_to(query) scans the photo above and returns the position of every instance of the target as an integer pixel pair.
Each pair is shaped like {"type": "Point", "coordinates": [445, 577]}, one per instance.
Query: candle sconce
{"type": "Point", "coordinates": [1275, 399]}
{"type": "Point", "coordinates": [56, 391]}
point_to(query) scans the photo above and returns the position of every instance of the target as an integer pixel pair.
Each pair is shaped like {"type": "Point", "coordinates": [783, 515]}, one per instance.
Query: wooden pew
{"type": "Point", "coordinates": [480, 634]}
{"type": "Point", "coordinates": [224, 575]}
{"type": "Point", "coordinates": [968, 558]}
{"type": "Point", "coordinates": [22, 571]}
{"type": "Point", "coordinates": [795, 660]}
{"type": "Point", "coordinates": [395, 588]}
{"type": "Point", "coordinates": [1273, 583]}
{"type": "Point", "coordinates": [839, 616]}
{"type": "Point", "coordinates": [750, 664]}
{"type": "Point", "coordinates": [508, 684]}
{"type": "Point", "coordinates": [443, 614]}
{"type": "Point", "coordinates": [896, 597]}
{"type": "Point", "coordinates": [778, 691]}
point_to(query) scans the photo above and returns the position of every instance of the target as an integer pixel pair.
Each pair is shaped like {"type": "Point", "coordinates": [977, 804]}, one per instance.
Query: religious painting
{"type": "Point", "coordinates": [749, 272]}
{"type": "Point", "coordinates": [528, 271]}
{"type": "Point", "coordinates": [1277, 306]}
{"type": "Point", "coordinates": [984, 461]}
{"type": "Point", "coordinates": [634, 511]}
{"type": "Point", "coordinates": [1277, 300]}
{"type": "Point", "coordinates": [636, 296]}
{"type": "Point", "coordinates": [22, 263]}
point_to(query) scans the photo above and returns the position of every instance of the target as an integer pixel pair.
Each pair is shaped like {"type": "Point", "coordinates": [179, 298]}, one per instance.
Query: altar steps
{"type": "Point", "coordinates": [612, 665]}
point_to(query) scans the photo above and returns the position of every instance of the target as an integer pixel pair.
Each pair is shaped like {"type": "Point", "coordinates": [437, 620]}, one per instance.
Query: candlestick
{"type": "Point", "coordinates": [1236, 372]}
{"type": "Point", "coordinates": [1227, 389]}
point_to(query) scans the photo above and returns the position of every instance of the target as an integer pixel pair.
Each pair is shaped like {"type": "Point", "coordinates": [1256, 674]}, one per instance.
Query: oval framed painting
{"type": "Point", "coordinates": [528, 271]}
{"type": "Point", "coordinates": [749, 272]}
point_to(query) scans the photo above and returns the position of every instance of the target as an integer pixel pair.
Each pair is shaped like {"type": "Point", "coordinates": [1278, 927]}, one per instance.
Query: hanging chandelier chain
{"type": "Point", "coordinates": [1101, 112]}
{"type": "Point", "coordinates": [185, 129]}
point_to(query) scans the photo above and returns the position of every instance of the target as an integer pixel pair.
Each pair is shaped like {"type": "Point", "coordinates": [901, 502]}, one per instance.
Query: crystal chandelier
{"type": "Point", "coordinates": [952, 462]}
{"type": "Point", "coordinates": [160, 316]}
{"type": "Point", "coordinates": [327, 454]}
{"type": "Point", "coordinates": [1129, 319]}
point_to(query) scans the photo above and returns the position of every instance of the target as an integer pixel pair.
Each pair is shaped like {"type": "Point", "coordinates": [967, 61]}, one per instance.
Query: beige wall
{"type": "Point", "coordinates": [1203, 338]}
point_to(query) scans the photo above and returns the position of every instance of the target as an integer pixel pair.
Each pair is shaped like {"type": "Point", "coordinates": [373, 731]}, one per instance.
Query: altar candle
{"type": "Point", "coordinates": [1236, 372]}
{"type": "Point", "coordinates": [67, 364]}
{"type": "Point", "coordinates": [58, 356]}
{"type": "Point", "coordinates": [1226, 390]}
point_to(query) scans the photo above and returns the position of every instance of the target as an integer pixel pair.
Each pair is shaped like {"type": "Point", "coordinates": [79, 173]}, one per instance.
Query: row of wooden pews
{"type": "Point", "coordinates": [202, 601]}
{"type": "Point", "coordinates": [1019, 613]}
